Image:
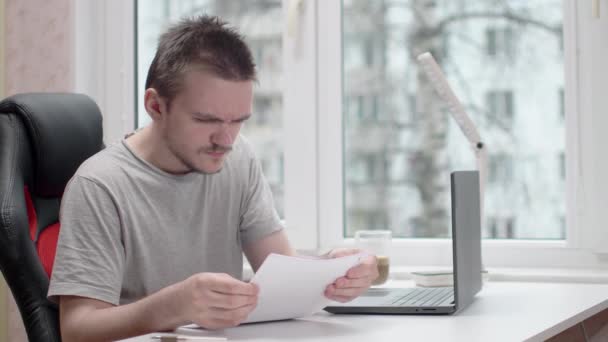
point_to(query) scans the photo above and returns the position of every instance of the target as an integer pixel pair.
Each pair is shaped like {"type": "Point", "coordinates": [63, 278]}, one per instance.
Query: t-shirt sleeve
{"type": "Point", "coordinates": [89, 261]}
{"type": "Point", "coordinates": [259, 217]}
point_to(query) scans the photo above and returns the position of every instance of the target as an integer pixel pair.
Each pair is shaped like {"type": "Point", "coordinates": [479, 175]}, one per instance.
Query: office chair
{"type": "Point", "coordinates": [43, 139]}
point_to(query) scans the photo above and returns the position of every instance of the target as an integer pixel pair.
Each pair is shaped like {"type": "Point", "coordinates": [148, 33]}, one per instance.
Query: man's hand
{"type": "Point", "coordinates": [356, 281]}
{"type": "Point", "coordinates": [217, 300]}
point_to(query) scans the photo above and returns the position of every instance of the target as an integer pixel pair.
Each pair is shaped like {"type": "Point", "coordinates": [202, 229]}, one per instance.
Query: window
{"type": "Point", "coordinates": [397, 166]}
{"type": "Point", "coordinates": [365, 109]}
{"type": "Point", "coordinates": [500, 227]}
{"type": "Point", "coordinates": [499, 41]}
{"type": "Point", "coordinates": [491, 41]}
{"type": "Point", "coordinates": [445, 44]}
{"type": "Point", "coordinates": [500, 108]}
{"type": "Point", "coordinates": [266, 109]}
{"type": "Point", "coordinates": [561, 104]}
{"type": "Point", "coordinates": [367, 50]}
{"type": "Point", "coordinates": [562, 226]}
{"type": "Point", "coordinates": [261, 23]}
{"type": "Point", "coordinates": [411, 105]}
{"type": "Point", "coordinates": [500, 169]}
{"type": "Point", "coordinates": [419, 198]}
{"type": "Point", "coordinates": [325, 177]}
{"type": "Point", "coordinates": [562, 165]}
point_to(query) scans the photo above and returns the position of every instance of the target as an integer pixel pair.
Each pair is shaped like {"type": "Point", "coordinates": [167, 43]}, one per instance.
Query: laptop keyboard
{"type": "Point", "coordinates": [422, 297]}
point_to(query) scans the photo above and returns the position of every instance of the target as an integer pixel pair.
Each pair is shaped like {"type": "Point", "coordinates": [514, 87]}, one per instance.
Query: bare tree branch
{"type": "Point", "coordinates": [555, 29]}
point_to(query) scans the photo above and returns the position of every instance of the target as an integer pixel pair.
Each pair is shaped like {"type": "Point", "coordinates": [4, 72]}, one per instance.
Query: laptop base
{"type": "Point", "coordinates": [397, 310]}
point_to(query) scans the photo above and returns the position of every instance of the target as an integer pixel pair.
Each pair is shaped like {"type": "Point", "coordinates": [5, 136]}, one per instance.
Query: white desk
{"type": "Point", "coordinates": [502, 311]}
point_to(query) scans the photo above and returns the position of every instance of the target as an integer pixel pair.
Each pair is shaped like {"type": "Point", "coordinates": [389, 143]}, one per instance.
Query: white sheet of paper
{"type": "Point", "coordinates": [292, 287]}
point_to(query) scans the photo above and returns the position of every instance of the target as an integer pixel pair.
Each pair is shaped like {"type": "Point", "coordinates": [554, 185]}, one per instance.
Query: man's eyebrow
{"type": "Point", "coordinates": [209, 116]}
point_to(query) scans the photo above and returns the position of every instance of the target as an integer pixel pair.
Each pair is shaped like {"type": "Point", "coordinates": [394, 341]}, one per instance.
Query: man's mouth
{"type": "Point", "coordinates": [217, 153]}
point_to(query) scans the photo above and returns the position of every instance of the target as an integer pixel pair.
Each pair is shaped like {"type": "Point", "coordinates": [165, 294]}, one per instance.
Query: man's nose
{"type": "Point", "coordinates": [223, 136]}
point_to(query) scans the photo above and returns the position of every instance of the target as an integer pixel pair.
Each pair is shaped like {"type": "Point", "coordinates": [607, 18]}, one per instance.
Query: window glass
{"type": "Point", "coordinates": [504, 59]}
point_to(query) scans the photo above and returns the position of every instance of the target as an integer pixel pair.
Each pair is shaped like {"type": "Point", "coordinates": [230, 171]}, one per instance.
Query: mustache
{"type": "Point", "coordinates": [215, 148]}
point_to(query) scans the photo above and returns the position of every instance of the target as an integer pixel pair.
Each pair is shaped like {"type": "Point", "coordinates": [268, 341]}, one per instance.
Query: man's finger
{"type": "Point", "coordinates": [343, 252]}
{"type": "Point", "coordinates": [340, 299]}
{"type": "Point", "coordinates": [232, 317]}
{"type": "Point", "coordinates": [228, 285]}
{"type": "Point", "coordinates": [348, 292]}
{"type": "Point", "coordinates": [344, 283]}
{"type": "Point", "coordinates": [225, 301]}
{"type": "Point", "coordinates": [362, 271]}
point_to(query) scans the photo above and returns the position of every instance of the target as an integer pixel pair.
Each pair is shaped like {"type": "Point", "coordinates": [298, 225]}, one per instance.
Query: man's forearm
{"type": "Point", "coordinates": [276, 242]}
{"type": "Point", "coordinates": [157, 312]}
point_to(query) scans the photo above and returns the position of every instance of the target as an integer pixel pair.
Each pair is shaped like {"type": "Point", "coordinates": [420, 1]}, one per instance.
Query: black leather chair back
{"type": "Point", "coordinates": [44, 137]}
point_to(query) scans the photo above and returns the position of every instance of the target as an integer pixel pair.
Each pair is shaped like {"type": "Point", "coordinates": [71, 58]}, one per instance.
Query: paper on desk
{"type": "Point", "coordinates": [292, 287]}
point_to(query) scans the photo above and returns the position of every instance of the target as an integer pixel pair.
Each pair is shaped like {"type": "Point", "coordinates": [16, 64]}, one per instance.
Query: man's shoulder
{"type": "Point", "coordinates": [104, 164]}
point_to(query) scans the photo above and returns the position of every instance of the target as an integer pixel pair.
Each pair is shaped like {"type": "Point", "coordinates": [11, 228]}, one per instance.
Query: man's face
{"type": "Point", "coordinates": [204, 119]}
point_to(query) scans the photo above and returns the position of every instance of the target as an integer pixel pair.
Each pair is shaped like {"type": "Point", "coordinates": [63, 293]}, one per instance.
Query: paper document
{"type": "Point", "coordinates": [292, 287]}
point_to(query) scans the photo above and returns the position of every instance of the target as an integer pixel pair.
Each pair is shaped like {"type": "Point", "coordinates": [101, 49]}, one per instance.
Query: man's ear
{"type": "Point", "coordinates": [155, 105]}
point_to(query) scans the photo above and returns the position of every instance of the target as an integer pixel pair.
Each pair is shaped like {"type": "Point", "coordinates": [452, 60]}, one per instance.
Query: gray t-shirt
{"type": "Point", "coordinates": [129, 229]}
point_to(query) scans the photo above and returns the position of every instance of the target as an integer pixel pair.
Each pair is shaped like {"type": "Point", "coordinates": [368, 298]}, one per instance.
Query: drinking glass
{"type": "Point", "coordinates": [377, 242]}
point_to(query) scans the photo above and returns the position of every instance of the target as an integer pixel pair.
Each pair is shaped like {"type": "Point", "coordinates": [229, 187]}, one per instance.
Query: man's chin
{"type": "Point", "coordinates": [206, 164]}
{"type": "Point", "coordinates": [211, 169]}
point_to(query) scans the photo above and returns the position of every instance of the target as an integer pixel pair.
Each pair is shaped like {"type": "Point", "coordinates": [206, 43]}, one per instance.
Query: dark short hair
{"type": "Point", "coordinates": [204, 42]}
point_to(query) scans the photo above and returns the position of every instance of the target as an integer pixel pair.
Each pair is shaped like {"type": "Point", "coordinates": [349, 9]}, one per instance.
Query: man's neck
{"type": "Point", "coordinates": [148, 145]}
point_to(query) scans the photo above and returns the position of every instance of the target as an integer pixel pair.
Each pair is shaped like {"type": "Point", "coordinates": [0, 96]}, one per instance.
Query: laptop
{"type": "Point", "coordinates": [466, 263]}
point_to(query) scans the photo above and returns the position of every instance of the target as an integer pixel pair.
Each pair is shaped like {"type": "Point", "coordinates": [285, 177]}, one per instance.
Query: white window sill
{"type": "Point", "coordinates": [557, 275]}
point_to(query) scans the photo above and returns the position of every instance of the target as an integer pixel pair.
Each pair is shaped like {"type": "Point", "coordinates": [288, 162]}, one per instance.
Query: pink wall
{"type": "Point", "coordinates": [38, 58]}
{"type": "Point", "coordinates": [38, 46]}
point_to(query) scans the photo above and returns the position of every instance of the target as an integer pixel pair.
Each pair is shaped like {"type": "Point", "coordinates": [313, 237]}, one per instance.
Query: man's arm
{"type": "Point", "coordinates": [85, 319]}
{"type": "Point", "coordinates": [211, 300]}
{"type": "Point", "coordinates": [257, 251]}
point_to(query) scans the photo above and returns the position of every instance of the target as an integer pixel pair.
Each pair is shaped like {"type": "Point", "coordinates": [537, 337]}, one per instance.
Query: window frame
{"type": "Point", "coordinates": [104, 61]}
{"type": "Point", "coordinates": [300, 120]}
{"type": "Point", "coordinates": [574, 251]}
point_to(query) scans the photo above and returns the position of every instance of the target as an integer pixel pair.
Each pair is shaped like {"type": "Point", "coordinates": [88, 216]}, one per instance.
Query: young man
{"type": "Point", "coordinates": [154, 227]}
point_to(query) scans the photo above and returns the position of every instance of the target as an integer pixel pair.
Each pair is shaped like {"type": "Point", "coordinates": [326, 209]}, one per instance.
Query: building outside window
{"type": "Point", "coordinates": [511, 99]}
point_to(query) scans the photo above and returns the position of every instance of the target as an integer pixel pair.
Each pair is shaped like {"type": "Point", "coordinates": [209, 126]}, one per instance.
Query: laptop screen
{"type": "Point", "coordinates": [466, 230]}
